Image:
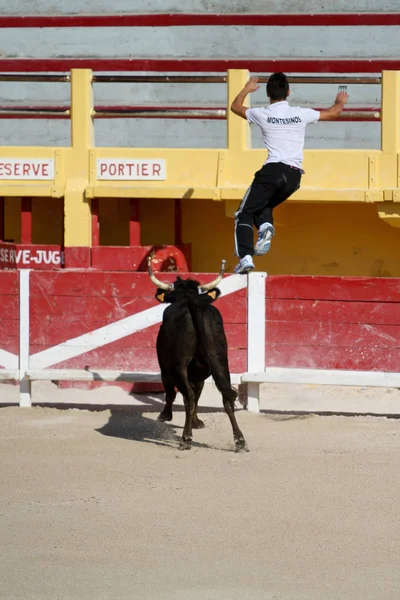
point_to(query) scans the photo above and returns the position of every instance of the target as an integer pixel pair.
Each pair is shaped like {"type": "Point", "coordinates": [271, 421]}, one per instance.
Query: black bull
{"type": "Point", "coordinates": [191, 346]}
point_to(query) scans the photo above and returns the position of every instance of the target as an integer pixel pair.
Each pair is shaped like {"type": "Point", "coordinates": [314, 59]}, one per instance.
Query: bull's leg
{"type": "Point", "coordinates": [240, 442]}
{"type": "Point", "coordinates": [188, 394]}
{"type": "Point", "coordinates": [170, 395]}
{"type": "Point", "coordinates": [197, 388]}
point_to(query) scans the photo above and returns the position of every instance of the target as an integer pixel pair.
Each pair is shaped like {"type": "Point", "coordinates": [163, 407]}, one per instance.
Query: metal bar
{"type": "Point", "coordinates": [222, 79]}
{"type": "Point", "coordinates": [34, 77]}
{"type": "Point", "coordinates": [39, 77]}
{"type": "Point", "coordinates": [365, 114]}
{"type": "Point", "coordinates": [209, 113]}
{"type": "Point", "coordinates": [37, 112]}
{"type": "Point", "coordinates": [334, 80]}
{"type": "Point", "coordinates": [159, 78]}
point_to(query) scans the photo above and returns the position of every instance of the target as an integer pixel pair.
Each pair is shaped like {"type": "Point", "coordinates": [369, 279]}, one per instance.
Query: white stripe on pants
{"type": "Point", "coordinates": [243, 202]}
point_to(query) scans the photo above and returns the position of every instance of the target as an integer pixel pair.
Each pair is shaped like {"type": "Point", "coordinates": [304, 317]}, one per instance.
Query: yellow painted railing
{"type": "Point", "coordinates": [82, 172]}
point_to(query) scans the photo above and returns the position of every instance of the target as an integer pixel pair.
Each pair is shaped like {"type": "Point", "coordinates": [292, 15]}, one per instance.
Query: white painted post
{"type": "Point", "coordinates": [255, 335]}
{"type": "Point", "coordinates": [25, 398]}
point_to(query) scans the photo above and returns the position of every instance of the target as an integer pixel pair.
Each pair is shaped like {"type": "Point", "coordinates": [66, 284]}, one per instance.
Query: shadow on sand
{"type": "Point", "coordinates": [136, 426]}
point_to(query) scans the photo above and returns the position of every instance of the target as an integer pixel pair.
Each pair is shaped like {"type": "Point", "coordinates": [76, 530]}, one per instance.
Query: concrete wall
{"type": "Point", "coordinates": [190, 42]}
{"type": "Point", "coordinates": [46, 7]}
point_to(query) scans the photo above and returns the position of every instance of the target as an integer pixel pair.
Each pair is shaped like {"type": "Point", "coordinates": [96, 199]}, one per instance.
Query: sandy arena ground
{"type": "Point", "coordinates": [100, 504]}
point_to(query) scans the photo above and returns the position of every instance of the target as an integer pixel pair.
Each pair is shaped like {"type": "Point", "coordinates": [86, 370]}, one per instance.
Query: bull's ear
{"type": "Point", "coordinates": [160, 297]}
{"type": "Point", "coordinates": [212, 294]}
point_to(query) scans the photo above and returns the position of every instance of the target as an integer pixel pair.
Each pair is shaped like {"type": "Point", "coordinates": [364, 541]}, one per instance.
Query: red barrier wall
{"type": "Point", "coordinates": [9, 299]}
{"type": "Point", "coordinates": [333, 323]}
{"type": "Point", "coordinates": [67, 304]}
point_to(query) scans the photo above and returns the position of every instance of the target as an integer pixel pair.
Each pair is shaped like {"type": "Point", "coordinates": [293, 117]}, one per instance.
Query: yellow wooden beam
{"type": "Point", "coordinates": [390, 130]}
{"type": "Point", "coordinates": [238, 129]}
{"type": "Point", "coordinates": [77, 222]}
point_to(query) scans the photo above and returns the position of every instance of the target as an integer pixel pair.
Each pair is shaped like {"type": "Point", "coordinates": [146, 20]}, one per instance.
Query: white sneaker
{"type": "Point", "coordinates": [263, 243]}
{"type": "Point", "coordinates": [245, 265]}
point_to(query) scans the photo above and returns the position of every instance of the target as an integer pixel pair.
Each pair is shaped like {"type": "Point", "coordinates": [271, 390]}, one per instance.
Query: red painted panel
{"type": "Point", "coordinates": [334, 311]}
{"type": "Point", "coordinates": [103, 310]}
{"type": "Point", "coordinates": [8, 256]}
{"type": "Point", "coordinates": [1, 219]}
{"type": "Point", "coordinates": [45, 65]}
{"type": "Point", "coordinates": [333, 322]}
{"type": "Point", "coordinates": [99, 283]}
{"type": "Point", "coordinates": [365, 289]}
{"type": "Point", "coordinates": [9, 316]}
{"type": "Point", "coordinates": [9, 331]}
{"type": "Point", "coordinates": [116, 357]}
{"type": "Point", "coordinates": [9, 284]}
{"type": "Point", "coordinates": [45, 329]}
{"type": "Point", "coordinates": [334, 357]}
{"type": "Point", "coordinates": [95, 300]}
{"type": "Point", "coordinates": [9, 305]}
{"type": "Point", "coordinates": [108, 307]}
{"type": "Point", "coordinates": [325, 334]}
{"type": "Point", "coordinates": [199, 19]}
{"type": "Point", "coordinates": [77, 257]}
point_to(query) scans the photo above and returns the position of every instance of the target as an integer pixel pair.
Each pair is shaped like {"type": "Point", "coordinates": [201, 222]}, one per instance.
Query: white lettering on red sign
{"type": "Point", "coordinates": [31, 257]}
{"type": "Point", "coordinates": [135, 169]}
{"type": "Point", "coordinates": [29, 168]}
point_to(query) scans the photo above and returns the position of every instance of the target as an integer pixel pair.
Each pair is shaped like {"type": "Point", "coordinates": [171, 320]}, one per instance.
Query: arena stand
{"type": "Point", "coordinates": [77, 220]}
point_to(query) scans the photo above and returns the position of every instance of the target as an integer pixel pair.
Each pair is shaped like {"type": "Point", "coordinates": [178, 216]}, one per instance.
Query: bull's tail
{"type": "Point", "coordinates": [217, 359]}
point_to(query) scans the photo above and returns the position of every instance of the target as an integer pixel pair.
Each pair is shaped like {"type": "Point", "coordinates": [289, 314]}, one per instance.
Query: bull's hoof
{"type": "Point", "coordinates": [185, 444]}
{"type": "Point", "coordinates": [241, 446]}
{"type": "Point", "coordinates": [197, 424]}
{"type": "Point", "coordinates": [164, 416]}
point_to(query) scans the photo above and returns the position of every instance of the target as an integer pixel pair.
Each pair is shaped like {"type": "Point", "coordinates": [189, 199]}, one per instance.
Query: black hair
{"type": "Point", "coordinates": [277, 87]}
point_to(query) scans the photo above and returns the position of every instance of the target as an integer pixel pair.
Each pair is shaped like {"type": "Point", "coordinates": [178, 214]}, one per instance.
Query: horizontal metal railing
{"type": "Point", "coordinates": [306, 79]}
{"type": "Point", "coordinates": [166, 112]}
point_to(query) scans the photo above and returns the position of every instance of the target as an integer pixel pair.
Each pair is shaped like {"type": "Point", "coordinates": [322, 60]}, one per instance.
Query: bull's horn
{"type": "Point", "coordinates": [213, 284]}
{"type": "Point", "coordinates": [160, 284]}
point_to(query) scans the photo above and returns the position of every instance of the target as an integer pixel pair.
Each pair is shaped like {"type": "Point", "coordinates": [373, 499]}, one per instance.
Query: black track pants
{"type": "Point", "coordinates": [271, 186]}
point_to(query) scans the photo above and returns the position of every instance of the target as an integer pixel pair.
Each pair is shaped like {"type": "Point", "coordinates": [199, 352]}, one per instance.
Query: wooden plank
{"type": "Point", "coordinates": [336, 357]}
{"type": "Point", "coordinates": [324, 377]}
{"type": "Point", "coordinates": [194, 65]}
{"type": "Point", "coordinates": [373, 313]}
{"type": "Point", "coordinates": [202, 20]}
{"type": "Point", "coordinates": [120, 284]}
{"type": "Point", "coordinates": [100, 375]}
{"type": "Point", "coordinates": [9, 308]}
{"type": "Point", "coordinates": [48, 332]}
{"type": "Point", "coordinates": [112, 308]}
{"type": "Point", "coordinates": [9, 284]}
{"type": "Point", "coordinates": [364, 289]}
{"type": "Point", "coordinates": [107, 308]}
{"type": "Point", "coordinates": [137, 359]}
{"type": "Point", "coordinates": [93, 375]}
{"type": "Point", "coordinates": [321, 334]}
{"type": "Point", "coordinates": [1, 218]}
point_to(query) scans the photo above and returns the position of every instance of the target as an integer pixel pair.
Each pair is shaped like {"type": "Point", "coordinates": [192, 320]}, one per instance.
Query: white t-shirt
{"type": "Point", "coordinates": [283, 128]}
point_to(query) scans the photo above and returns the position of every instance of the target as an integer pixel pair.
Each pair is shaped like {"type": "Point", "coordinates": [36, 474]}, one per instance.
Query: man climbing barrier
{"type": "Point", "coordinates": [283, 128]}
